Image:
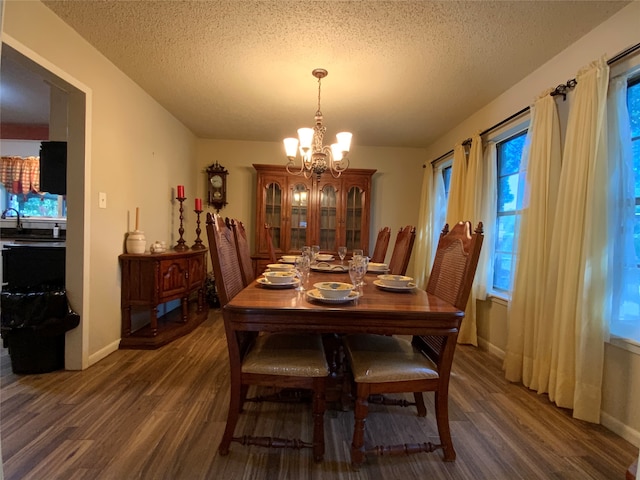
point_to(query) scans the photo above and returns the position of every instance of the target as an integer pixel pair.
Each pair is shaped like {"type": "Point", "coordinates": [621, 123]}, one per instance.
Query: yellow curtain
{"type": "Point", "coordinates": [575, 297]}
{"type": "Point", "coordinates": [557, 321]}
{"type": "Point", "coordinates": [430, 223]}
{"type": "Point", "coordinates": [466, 203]}
{"type": "Point", "coordinates": [524, 358]}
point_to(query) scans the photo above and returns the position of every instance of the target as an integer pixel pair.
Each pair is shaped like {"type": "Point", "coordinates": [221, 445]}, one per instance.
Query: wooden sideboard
{"type": "Point", "coordinates": [150, 280]}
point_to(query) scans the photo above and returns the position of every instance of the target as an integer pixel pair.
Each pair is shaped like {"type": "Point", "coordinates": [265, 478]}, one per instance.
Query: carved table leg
{"type": "Point", "coordinates": [360, 417]}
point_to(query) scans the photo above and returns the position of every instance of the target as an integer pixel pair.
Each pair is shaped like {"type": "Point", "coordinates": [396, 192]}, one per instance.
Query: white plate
{"type": "Point", "coordinates": [282, 260]}
{"type": "Point", "coordinates": [328, 258]}
{"type": "Point", "coordinates": [378, 267]}
{"type": "Point", "coordinates": [379, 284]}
{"type": "Point", "coordinates": [315, 295]}
{"type": "Point", "coordinates": [266, 283]}
{"type": "Point", "coordinates": [281, 267]}
{"type": "Point", "coordinates": [325, 267]}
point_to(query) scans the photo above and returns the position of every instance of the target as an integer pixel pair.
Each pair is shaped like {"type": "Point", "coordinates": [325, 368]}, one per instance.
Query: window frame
{"type": "Point", "coordinates": [516, 213]}
{"type": "Point", "coordinates": [630, 66]}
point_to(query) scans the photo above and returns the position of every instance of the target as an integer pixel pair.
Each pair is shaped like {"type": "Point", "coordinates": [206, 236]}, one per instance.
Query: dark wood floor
{"type": "Point", "coordinates": [160, 415]}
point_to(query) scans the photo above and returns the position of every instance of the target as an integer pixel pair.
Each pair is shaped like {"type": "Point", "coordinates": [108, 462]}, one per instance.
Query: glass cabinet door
{"type": "Point", "coordinates": [299, 211]}
{"type": "Point", "coordinates": [273, 212]}
{"type": "Point", "coordinates": [328, 221]}
{"type": "Point", "coordinates": [353, 218]}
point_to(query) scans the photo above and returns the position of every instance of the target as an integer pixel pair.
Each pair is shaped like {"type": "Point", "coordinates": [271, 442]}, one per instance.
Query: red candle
{"type": "Point", "coordinates": [198, 204]}
{"type": "Point", "coordinates": [180, 191]}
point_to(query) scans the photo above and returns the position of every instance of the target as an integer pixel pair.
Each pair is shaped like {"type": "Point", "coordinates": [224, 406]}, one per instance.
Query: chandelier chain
{"type": "Point", "coordinates": [319, 86]}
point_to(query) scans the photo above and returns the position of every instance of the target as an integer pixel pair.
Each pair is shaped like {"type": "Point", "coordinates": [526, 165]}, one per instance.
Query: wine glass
{"type": "Point", "coordinates": [315, 250]}
{"type": "Point", "coordinates": [365, 264]}
{"type": "Point", "coordinates": [301, 267]}
{"type": "Point", "coordinates": [342, 252]}
{"type": "Point", "coordinates": [353, 274]}
{"type": "Point", "coordinates": [357, 270]}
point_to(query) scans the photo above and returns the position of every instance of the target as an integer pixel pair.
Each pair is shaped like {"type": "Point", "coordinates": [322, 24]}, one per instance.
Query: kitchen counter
{"type": "Point", "coordinates": [11, 243]}
{"type": "Point", "coordinates": [31, 236]}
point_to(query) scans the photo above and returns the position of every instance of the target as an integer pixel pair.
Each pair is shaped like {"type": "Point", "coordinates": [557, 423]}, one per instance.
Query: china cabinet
{"type": "Point", "coordinates": [329, 212]}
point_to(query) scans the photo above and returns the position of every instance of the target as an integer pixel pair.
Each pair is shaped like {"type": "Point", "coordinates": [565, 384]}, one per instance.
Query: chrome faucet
{"type": "Point", "coordinates": [18, 224]}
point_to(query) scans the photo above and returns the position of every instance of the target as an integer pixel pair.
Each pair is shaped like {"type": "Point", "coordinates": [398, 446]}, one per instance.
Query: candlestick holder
{"type": "Point", "coordinates": [181, 247]}
{"type": "Point", "coordinates": [198, 245]}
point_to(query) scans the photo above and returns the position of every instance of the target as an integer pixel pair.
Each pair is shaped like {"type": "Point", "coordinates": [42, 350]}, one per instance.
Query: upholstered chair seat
{"type": "Point", "coordinates": [287, 354]}
{"type": "Point", "coordinates": [379, 358]}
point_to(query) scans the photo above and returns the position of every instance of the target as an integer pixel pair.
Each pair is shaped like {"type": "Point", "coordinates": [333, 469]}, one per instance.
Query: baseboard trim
{"type": "Point", "coordinates": [491, 348]}
{"type": "Point", "coordinates": [606, 420]}
{"type": "Point", "coordinates": [103, 352]}
{"type": "Point", "coordinates": [619, 428]}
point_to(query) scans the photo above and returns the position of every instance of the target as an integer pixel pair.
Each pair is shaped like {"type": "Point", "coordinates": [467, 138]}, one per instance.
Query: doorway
{"type": "Point", "coordinates": [38, 70]}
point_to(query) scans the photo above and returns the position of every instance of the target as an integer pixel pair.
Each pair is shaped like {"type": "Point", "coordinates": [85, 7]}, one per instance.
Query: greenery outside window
{"type": "Point", "coordinates": [633, 105]}
{"type": "Point", "coordinates": [40, 205]}
{"type": "Point", "coordinates": [511, 178]}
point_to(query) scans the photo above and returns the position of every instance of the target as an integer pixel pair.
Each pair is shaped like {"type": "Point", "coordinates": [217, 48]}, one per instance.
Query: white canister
{"type": "Point", "coordinates": [136, 242]}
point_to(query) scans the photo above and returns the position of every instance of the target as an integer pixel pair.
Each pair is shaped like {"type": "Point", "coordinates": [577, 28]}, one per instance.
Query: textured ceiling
{"type": "Point", "coordinates": [400, 73]}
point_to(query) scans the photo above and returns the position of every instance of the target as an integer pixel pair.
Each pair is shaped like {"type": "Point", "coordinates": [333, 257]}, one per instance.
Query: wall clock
{"type": "Point", "coordinates": [217, 185]}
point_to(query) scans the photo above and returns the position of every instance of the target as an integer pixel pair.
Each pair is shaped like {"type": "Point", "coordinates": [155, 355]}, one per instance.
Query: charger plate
{"type": "Point", "coordinates": [315, 294]}
{"type": "Point", "coordinates": [267, 284]}
{"type": "Point", "coordinates": [382, 286]}
{"type": "Point", "coordinates": [325, 267]}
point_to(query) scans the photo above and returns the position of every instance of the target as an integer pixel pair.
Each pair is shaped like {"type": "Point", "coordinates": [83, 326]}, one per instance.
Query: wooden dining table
{"type": "Point", "coordinates": [257, 308]}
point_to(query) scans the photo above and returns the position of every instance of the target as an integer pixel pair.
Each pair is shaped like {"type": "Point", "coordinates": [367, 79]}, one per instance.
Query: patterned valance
{"type": "Point", "coordinates": [20, 175]}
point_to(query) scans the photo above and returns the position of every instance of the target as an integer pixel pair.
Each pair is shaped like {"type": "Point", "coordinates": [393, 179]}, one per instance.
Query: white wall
{"type": "Point", "coordinates": [621, 383]}
{"type": "Point", "coordinates": [396, 183]}
{"type": "Point", "coordinates": [609, 38]}
{"type": "Point", "coordinates": [136, 153]}
{"type": "Point", "coordinates": [20, 148]}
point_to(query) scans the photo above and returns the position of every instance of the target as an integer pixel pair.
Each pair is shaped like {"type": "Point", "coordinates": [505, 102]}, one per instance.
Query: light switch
{"type": "Point", "coordinates": [102, 200]}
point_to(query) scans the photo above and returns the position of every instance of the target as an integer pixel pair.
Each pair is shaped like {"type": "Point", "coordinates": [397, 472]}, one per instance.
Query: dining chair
{"type": "Point", "coordinates": [242, 249]}
{"type": "Point", "coordinates": [278, 360]}
{"type": "Point", "coordinates": [382, 244]}
{"type": "Point", "coordinates": [402, 251]}
{"type": "Point", "coordinates": [386, 364]}
{"type": "Point", "coordinates": [272, 251]}
{"type": "Point", "coordinates": [224, 258]}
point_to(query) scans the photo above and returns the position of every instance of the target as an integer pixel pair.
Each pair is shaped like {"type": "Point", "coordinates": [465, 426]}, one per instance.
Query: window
{"type": "Point", "coordinates": [633, 105]}
{"type": "Point", "coordinates": [34, 204]}
{"type": "Point", "coordinates": [446, 177]}
{"type": "Point", "coordinates": [510, 181]}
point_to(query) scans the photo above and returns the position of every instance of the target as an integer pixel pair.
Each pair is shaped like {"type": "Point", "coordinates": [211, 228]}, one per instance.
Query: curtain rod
{"type": "Point", "coordinates": [468, 140]}
{"type": "Point", "coordinates": [559, 90]}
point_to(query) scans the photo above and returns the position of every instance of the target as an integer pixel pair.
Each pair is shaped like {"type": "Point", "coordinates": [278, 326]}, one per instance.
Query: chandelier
{"type": "Point", "coordinates": [316, 158]}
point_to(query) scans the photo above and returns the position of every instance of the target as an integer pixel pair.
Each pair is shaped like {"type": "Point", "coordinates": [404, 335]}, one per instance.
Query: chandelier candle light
{"type": "Point", "coordinates": [316, 158]}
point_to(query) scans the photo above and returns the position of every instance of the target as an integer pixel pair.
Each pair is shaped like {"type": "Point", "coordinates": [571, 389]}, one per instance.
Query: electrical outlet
{"type": "Point", "coordinates": [102, 200]}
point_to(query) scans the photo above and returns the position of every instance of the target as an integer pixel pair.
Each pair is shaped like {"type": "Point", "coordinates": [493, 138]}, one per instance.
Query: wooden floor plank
{"type": "Point", "coordinates": [160, 414]}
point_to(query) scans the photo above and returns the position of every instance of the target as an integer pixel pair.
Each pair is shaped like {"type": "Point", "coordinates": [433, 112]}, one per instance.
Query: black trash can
{"type": "Point", "coordinates": [33, 326]}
